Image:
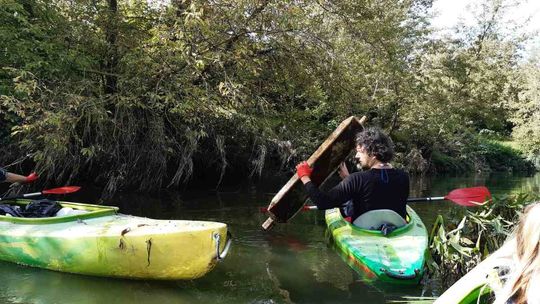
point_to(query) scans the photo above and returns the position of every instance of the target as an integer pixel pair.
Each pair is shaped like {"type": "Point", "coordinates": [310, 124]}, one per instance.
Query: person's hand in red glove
{"type": "Point", "coordinates": [303, 170]}
{"type": "Point", "coordinates": [30, 178]}
{"type": "Point", "coordinates": [16, 179]}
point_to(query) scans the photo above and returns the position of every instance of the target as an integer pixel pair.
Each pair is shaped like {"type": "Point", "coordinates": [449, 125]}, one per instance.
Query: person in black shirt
{"type": "Point", "coordinates": [379, 186]}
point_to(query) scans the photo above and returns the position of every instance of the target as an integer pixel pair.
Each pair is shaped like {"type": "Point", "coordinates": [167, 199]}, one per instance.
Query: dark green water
{"type": "Point", "coordinates": [292, 263]}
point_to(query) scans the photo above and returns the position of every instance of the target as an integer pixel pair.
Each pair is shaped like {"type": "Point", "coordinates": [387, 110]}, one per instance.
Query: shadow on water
{"type": "Point", "coordinates": [293, 263]}
{"type": "Point", "coordinates": [22, 284]}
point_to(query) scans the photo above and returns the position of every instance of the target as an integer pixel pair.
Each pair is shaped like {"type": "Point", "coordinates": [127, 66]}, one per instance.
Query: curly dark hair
{"type": "Point", "coordinates": [376, 143]}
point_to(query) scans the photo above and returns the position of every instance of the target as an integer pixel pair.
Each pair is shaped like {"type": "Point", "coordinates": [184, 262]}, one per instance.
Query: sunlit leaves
{"type": "Point", "coordinates": [244, 81]}
{"type": "Point", "coordinates": [456, 247]}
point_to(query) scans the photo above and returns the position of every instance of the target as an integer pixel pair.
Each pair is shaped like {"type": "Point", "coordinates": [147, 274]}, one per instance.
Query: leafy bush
{"type": "Point", "coordinates": [130, 94]}
{"type": "Point", "coordinates": [503, 158]}
{"type": "Point", "coordinates": [443, 163]}
{"type": "Point", "coordinates": [458, 245]}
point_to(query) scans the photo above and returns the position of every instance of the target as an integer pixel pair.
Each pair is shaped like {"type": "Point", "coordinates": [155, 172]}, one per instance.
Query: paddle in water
{"type": "Point", "coordinates": [59, 190]}
{"type": "Point", "coordinates": [467, 197]}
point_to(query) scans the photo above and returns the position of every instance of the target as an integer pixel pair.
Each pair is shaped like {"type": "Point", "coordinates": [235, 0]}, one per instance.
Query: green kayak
{"type": "Point", "coordinates": [398, 257]}
{"type": "Point", "coordinates": [96, 240]}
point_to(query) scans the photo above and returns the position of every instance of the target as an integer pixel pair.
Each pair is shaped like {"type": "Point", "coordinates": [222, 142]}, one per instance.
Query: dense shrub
{"type": "Point", "coordinates": [144, 95]}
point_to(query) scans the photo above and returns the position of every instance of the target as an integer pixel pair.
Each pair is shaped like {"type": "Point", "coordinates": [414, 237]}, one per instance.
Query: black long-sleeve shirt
{"type": "Point", "coordinates": [369, 190]}
{"type": "Point", "coordinates": [3, 174]}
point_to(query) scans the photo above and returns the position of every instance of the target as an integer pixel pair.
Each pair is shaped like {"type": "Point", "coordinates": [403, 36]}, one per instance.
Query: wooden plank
{"type": "Point", "coordinates": [326, 159]}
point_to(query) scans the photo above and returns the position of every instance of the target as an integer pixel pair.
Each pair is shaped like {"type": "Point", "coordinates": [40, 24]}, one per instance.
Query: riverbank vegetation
{"type": "Point", "coordinates": [151, 94]}
{"type": "Point", "coordinates": [458, 245]}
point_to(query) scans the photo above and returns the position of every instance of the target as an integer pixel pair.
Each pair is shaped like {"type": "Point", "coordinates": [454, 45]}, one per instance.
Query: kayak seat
{"type": "Point", "coordinates": [381, 218]}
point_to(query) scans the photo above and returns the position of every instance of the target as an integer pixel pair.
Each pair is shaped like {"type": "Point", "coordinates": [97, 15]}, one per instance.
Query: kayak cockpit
{"type": "Point", "coordinates": [84, 211]}
{"type": "Point", "coordinates": [380, 219]}
{"type": "Point", "coordinates": [402, 227]}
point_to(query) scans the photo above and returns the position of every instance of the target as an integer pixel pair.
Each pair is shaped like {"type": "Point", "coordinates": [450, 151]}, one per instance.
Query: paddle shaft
{"type": "Point", "coordinates": [424, 199]}
{"type": "Point", "coordinates": [468, 197]}
{"type": "Point", "coordinates": [413, 199]}
{"type": "Point", "coordinates": [26, 195]}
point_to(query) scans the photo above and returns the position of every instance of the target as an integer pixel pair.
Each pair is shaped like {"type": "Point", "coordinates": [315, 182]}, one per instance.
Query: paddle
{"type": "Point", "coordinates": [59, 190]}
{"type": "Point", "coordinates": [468, 197]}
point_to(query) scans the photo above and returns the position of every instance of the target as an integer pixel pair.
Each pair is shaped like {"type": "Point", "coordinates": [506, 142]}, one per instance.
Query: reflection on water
{"type": "Point", "coordinates": [294, 263]}
{"type": "Point", "coordinates": [22, 284]}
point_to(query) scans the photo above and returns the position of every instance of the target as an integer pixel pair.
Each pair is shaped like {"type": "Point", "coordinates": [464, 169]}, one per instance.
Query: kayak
{"type": "Point", "coordinates": [398, 257]}
{"type": "Point", "coordinates": [474, 287]}
{"type": "Point", "coordinates": [96, 240]}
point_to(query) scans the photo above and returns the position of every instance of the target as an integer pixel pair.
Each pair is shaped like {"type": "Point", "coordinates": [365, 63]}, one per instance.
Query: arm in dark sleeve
{"type": "Point", "coordinates": [336, 196]}
{"type": "Point", "coordinates": [3, 174]}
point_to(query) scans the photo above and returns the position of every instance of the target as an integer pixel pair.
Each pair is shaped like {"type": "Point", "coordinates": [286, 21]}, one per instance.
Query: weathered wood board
{"type": "Point", "coordinates": [326, 159]}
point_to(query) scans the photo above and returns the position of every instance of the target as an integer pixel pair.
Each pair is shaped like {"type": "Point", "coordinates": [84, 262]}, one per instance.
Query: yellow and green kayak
{"type": "Point", "coordinates": [96, 240]}
{"type": "Point", "coordinates": [398, 257]}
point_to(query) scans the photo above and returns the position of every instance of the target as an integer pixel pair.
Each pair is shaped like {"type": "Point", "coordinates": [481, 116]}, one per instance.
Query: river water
{"type": "Point", "coordinates": [293, 263]}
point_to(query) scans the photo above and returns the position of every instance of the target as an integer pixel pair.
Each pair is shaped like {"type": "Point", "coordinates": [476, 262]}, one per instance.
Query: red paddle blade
{"type": "Point", "coordinates": [475, 196]}
{"type": "Point", "coordinates": [62, 190]}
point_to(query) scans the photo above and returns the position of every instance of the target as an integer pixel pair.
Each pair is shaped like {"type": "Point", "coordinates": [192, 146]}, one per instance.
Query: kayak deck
{"type": "Point", "coordinates": [398, 257]}
{"type": "Point", "coordinates": [101, 242]}
{"type": "Point", "coordinates": [91, 211]}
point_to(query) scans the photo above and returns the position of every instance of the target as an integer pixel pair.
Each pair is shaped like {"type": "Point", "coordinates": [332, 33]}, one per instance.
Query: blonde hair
{"type": "Point", "coordinates": [523, 283]}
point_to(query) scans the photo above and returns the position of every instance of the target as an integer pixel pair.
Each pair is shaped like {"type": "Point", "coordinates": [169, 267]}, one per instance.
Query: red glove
{"type": "Point", "coordinates": [303, 169]}
{"type": "Point", "coordinates": [31, 177]}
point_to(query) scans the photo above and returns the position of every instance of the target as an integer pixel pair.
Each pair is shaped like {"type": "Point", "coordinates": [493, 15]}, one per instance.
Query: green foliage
{"type": "Point", "coordinates": [463, 88]}
{"type": "Point", "coordinates": [457, 246]}
{"type": "Point", "coordinates": [444, 163]}
{"type": "Point", "coordinates": [526, 111]}
{"type": "Point", "coordinates": [481, 155]}
{"type": "Point", "coordinates": [502, 158]}
{"type": "Point", "coordinates": [145, 95]}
